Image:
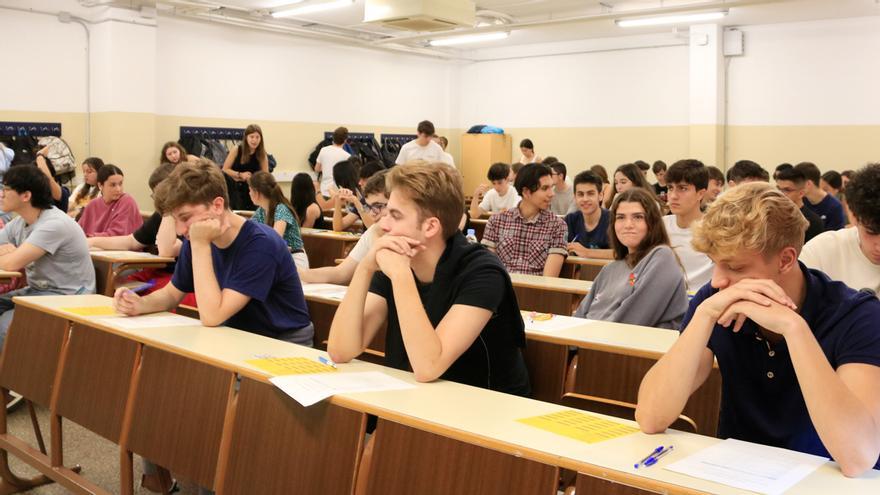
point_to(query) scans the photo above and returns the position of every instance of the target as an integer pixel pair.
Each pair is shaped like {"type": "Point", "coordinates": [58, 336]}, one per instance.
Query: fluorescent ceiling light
{"type": "Point", "coordinates": [311, 8]}
{"type": "Point", "coordinates": [671, 19]}
{"type": "Point", "coordinates": [470, 38]}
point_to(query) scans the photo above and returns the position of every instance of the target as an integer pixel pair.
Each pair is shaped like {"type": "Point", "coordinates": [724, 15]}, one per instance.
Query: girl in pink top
{"type": "Point", "coordinates": [114, 212]}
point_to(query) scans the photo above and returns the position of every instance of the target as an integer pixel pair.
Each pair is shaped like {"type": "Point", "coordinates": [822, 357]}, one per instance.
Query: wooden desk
{"type": "Point", "coordinates": [110, 264]}
{"type": "Point", "coordinates": [579, 268]}
{"type": "Point", "coordinates": [244, 213]}
{"type": "Point", "coordinates": [324, 246]}
{"type": "Point", "coordinates": [555, 295]}
{"type": "Point", "coordinates": [6, 276]}
{"type": "Point", "coordinates": [479, 226]}
{"type": "Point", "coordinates": [466, 415]}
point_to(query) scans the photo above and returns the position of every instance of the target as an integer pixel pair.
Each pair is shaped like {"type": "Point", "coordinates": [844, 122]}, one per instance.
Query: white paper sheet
{"type": "Point", "coordinates": [331, 291]}
{"type": "Point", "coordinates": [310, 389]}
{"type": "Point", "coordinates": [554, 324]}
{"type": "Point", "coordinates": [152, 321]}
{"type": "Point", "coordinates": [754, 467]}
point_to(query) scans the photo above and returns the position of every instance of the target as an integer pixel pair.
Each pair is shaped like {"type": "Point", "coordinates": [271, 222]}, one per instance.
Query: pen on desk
{"type": "Point", "coordinates": [652, 454]}
{"type": "Point", "coordinates": [326, 361]}
{"type": "Point", "coordinates": [653, 460]}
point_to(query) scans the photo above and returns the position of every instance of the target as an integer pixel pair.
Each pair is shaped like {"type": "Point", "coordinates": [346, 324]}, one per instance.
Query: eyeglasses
{"type": "Point", "coordinates": [377, 208]}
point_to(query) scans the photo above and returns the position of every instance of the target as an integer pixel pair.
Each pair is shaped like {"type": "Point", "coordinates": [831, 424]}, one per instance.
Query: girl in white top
{"type": "Point", "coordinates": [88, 190]}
{"type": "Point", "coordinates": [528, 152]}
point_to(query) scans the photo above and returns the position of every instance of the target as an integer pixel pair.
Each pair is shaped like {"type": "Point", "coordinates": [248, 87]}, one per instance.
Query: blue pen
{"type": "Point", "coordinates": [653, 460]}
{"type": "Point", "coordinates": [652, 454]}
{"type": "Point", "coordinates": [142, 287]}
{"type": "Point", "coordinates": [326, 361]}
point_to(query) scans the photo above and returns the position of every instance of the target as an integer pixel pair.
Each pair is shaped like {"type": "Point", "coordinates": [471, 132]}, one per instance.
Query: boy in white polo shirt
{"type": "Point", "coordinates": [500, 198]}
{"type": "Point", "coordinates": [687, 181]}
{"type": "Point", "coordinates": [852, 256]}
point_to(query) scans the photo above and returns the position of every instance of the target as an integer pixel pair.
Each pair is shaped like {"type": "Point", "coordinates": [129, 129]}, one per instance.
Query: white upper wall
{"type": "Point", "coordinates": [631, 87]}
{"type": "Point", "coordinates": [228, 72]}
{"type": "Point", "coordinates": [810, 73]}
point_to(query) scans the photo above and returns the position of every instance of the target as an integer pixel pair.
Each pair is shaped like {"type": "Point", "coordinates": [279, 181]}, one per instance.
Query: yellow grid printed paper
{"type": "Point", "coordinates": [579, 426]}
{"type": "Point", "coordinates": [290, 366]}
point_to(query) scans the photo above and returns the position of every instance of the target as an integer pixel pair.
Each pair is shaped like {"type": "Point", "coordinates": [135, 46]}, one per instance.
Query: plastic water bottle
{"type": "Point", "coordinates": [471, 236]}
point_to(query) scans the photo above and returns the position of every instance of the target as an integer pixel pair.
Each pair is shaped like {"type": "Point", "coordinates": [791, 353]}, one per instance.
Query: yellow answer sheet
{"type": "Point", "coordinates": [580, 426]}
{"type": "Point", "coordinates": [290, 366]}
{"type": "Point", "coordinates": [91, 310]}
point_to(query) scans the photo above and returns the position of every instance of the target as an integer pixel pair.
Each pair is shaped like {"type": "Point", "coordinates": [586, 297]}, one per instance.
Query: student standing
{"type": "Point", "coordinates": [43, 240]}
{"type": "Point", "coordinates": [115, 212]}
{"type": "Point", "coordinates": [687, 180]}
{"type": "Point", "coordinates": [852, 256]}
{"type": "Point", "coordinates": [500, 198]}
{"type": "Point", "coordinates": [792, 183]}
{"type": "Point", "coordinates": [241, 272]}
{"type": "Point", "coordinates": [588, 227]}
{"type": "Point", "coordinates": [823, 204]}
{"type": "Point", "coordinates": [422, 147]}
{"type": "Point", "coordinates": [529, 239]}
{"type": "Point", "coordinates": [644, 285]}
{"type": "Point", "coordinates": [328, 157]}
{"type": "Point", "coordinates": [799, 354]}
{"type": "Point", "coordinates": [245, 159]}
{"type": "Point", "coordinates": [450, 308]}
{"type": "Point", "coordinates": [527, 148]}
{"type": "Point", "coordinates": [88, 190]}
{"type": "Point", "coordinates": [274, 210]}
{"type": "Point", "coordinates": [563, 194]}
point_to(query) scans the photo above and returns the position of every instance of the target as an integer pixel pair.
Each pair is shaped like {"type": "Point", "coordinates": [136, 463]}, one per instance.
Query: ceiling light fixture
{"type": "Point", "coordinates": [311, 8]}
{"type": "Point", "coordinates": [671, 19]}
{"type": "Point", "coordinates": [470, 38]}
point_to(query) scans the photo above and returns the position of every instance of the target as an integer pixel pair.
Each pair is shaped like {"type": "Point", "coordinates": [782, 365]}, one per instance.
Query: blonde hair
{"type": "Point", "coordinates": [196, 183]}
{"type": "Point", "coordinates": [753, 217]}
{"type": "Point", "coordinates": [436, 189]}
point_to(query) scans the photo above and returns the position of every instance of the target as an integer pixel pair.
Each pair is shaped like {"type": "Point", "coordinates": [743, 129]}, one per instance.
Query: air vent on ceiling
{"type": "Point", "coordinates": [420, 15]}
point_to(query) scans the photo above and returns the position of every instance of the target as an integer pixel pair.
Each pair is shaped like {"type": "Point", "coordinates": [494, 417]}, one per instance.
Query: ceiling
{"type": "Point", "coordinates": [530, 21]}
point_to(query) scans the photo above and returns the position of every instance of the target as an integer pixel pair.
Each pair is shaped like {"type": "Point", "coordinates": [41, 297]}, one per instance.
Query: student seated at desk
{"type": "Point", "coordinates": [645, 285]}
{"type": "Point", "coordinates": [450, 308]}
{"type": "Point", "coordinates": [588, 227]}
{"type": "Point", "coordinates": [115, 212]}
{"type": "Point", "coordinates": [274, 210]}
{"type": "Point", "coordinates": [529, 239]}
{"type": "Point", "coordinates": [43, 240]}
{"type": "Point", "coordinates": [341, 274]}
{"type": "Point", "coordinates": [304, 200]}
{"type": "Point", "coordinates": [88, 190]}
{"type": "Point", "coordinates": [241, 272]}
{"type": "Point", "coordinates": [497, 199]}
{"type": "Point", "coordinates": [852, 256]}
{"type": "Point", "coordinates": [687, 181]}
{"type": "Point", "coordinates": [348, 202]}
{"type": "Point", "coordinates": [799, 354]}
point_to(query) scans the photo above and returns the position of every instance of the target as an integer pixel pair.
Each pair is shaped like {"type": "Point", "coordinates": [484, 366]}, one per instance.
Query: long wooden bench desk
{"type": "Point", "coordinates": [6, 276]}
{"type": "Point", "coordinates": [555, 295]}
{"type": "Point", "coordinates": [181, 380]}
{"type": "Point", "coordinates": [110, 264]}
{"type": "Point", "coordinates": [325, 246]}
{"type": "Point", "coordinates": [579, 268]}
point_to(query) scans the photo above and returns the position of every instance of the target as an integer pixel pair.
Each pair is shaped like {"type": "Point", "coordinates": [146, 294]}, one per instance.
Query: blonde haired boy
{"type": "Point", "coordinates": [799, 354]}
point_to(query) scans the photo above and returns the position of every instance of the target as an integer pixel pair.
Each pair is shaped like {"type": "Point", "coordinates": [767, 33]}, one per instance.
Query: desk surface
{"type": "Point", "coordinates": [577, 260]}
{"type": "Point", "coordinates": [330, 234]}
{"type": "Point", "coordinates": [129, 257]}
{"type": "Point", "coordinates": [7, 275]}
{"type": "Point", "coordinates": [488, 420]}
{"type": "Point", "coordinates": [553, 284]}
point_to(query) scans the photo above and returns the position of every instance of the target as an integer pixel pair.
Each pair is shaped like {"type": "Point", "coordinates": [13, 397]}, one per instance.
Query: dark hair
{"type": "Point", "coordinates": [715, 174]}
{"type": "Point", "coordinates": [862, 197]}
{"type": "Point", "coordinates": [443, 142]}
{"type": "Point", "coordinates": [426, 127]}
{"type": "Point", "coordinates": [516, 167]}
{"type": "Point", "coordinates": [658, 166]}
{"type": "Point", "coordinates": [559, 168]}
{"type": "Point", "coordinates": [527, 144]}
{"type": "Point", "coordinates": [160, 174]}
{"type": "Point", "coordinates": [846, 173]}
{"type": "Point", "coordinates": [690, 172]}
{"type": "Point", "coordinates": [588, 177]}
{"type": "Point", "coordinates": [632, 172]}
{"type": "Point", "coordinates": [345, 175]}
{"type": "Point", "coordinates": [89, 190]}
{"type": "Point", "coordinates": [260, 152]}
{"type": "Point", "coordinates": [107, 171]}
{"type": "Point", "coordinates": [601, 172]}
{"type": "Point", "coordinates": [810, 171]}
{"type": "Point", "coordinates": [786, 171]}
{"type": "Point", "coordinates": [656, 234]}
{"type": "Point", "coordinates": [550, 160]}
{"type": "Point", "coordinates": [376, 184]}
{"type": "Point", "coordinates": [643, 165]}
{"type": "Point", "coordinates": [745, 169]}
{"type": "Point", "coordinates": [498, 171]}
{"type": "Point", "coordinates": [340, 135]}
{"type": "Point", "coordinates": [833, 179]}
{"type": "Point", "coordinates": [302, 194]}
{"type": "Point", "coordinates": [370, 169]}
{"type": "Point", "coordinates": [265, 184]}
{"type": "Point", "coordinates": [21, 178]}
{"type": "Point", "coordinates": [529, 177]}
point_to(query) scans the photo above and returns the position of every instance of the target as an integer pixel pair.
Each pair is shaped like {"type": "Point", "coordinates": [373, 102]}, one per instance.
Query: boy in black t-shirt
{"type": "Point", "coordinates": [449, 305]}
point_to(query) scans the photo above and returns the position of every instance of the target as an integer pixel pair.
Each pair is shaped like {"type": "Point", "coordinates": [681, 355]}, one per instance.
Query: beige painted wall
{"type": "Point", "coordinates": [829, 147]}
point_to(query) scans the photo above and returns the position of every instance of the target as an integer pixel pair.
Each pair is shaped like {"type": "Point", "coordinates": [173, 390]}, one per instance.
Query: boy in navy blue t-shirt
{"type": "Point", "coordinates": [241, 272]}
{"type": "Point", "coordinates": [588, 226]}
{"type": "Point", "coordinates": [799, 354]}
